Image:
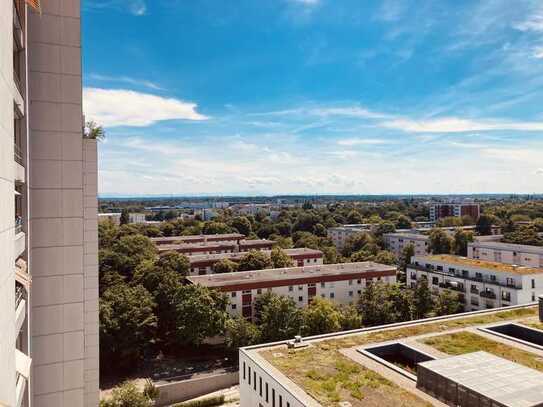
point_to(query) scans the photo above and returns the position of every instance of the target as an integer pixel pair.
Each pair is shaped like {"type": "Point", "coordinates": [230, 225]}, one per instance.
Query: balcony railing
{"type": "Point", "coordinates": [18, 154]}
{"type": "Point", "coordinates": [456, 287]}
{"type": "Point", "coordinates": [466, 277]}
{"type": "Point", "coordinates": [488, 294]}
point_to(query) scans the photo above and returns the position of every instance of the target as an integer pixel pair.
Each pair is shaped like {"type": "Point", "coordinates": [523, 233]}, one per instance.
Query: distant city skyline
{"type": "Point", "coordinates": [316, 97]}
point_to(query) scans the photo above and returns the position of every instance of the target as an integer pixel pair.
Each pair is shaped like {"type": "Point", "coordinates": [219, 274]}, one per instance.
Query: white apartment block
{"type": "Point", "coordinates": [521, 255]}
{"type": "Point", "coordinates": [482, 284]}
{"type": "Point", "coordinates": [396, 242]}
{"type": "Point", "coordinates": [48, 219]}
{"type": "Point", "coordinates": [136, 218]}
{"type": "Point", "coordinates": [340, 234]}
{"type": "Point", "coordinates": [203, 264]}
{"type": "Point", "coordinates": [340, 283]}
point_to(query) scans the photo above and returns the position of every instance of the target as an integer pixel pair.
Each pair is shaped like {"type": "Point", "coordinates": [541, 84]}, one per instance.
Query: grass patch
{"type": "Point", "coordinates": [466, 342]}
{"type": "Point", "coordinates": [328, 376]}
{"type": "Point", "coordinates": [533, 324]}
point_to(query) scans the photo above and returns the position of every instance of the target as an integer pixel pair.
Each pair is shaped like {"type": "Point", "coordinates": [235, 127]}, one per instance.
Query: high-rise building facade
{"type": "Point", "coordinates": [48, 221]}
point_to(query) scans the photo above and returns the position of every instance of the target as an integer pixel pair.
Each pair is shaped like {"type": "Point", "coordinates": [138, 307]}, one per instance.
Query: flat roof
{"type": "Point", "coordinates": [194, 237]}
{"type": "Point", "coordinates": [508, 246]}
{"type": "Point", "coordinates": [493, 377]}
{"type": "Point", "coordinates": [415, 236]}
{"type": "Point", "coordinates": [483, 264]}
{"type": "Point", "coordinates": [207, 244]}
{"type": "Point", "coordinates": [290, 273]}
{"type": "Point", "coordinates": [234, 256]}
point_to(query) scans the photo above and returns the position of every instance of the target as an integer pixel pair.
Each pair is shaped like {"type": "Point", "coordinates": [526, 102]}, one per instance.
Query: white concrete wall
{"type": "Point", "coordinates": [396, 244]}
{"type": "Point", "coordinates": [58, 242]}
{"type": "Point", "coordinates": [506, 255]}
{"type": "Point", "coordinates": [7, 212]}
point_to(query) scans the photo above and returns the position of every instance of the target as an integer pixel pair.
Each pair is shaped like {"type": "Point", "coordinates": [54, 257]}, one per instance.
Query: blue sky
{"type": "Point", "coordinates": [316, 96]}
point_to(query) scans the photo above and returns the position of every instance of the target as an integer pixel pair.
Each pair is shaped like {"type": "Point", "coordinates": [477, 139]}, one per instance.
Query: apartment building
{"type": "Point", "coordinates": [396, 242]}
{"type": "Point", "coordinates": [445, 210]}
{"type": "Point", "coordinates": [401, 364]}
{"type": "Point", "coordinates": [190, 249]}
{"type": "Point", "coordinates": [519, 254]}
{"type": "Point", "coordinates": [48, 219]}
{"type": "Point", "coordinates": [136, 217]}
{"type": "Point", "coordinates": [203, 264]}
{"type": "Point", "coordinates": [113, 217]}
{"type": "Point", "coordinates": [225, 237]}
{"type": "Point", "coordinates": [340, 234]}
{"type": "Point", "coordinates": [482, 284]}
{"type": "Point", "coordinates": [340, 283]}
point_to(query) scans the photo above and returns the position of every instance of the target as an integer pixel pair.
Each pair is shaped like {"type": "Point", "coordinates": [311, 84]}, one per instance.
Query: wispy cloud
{"type": "Point", "coordinates": [121, 107]}
{"type": "Point", "coordinates": [134, 7]}
{"type": "Point", "coordinates": [458, 125]}
{"type": "Point", "coordinates": [126, 79]}
{"type": "Point", "coordinates": [361, 141]}
{"type": "Point", "coordinates": [305, 2]}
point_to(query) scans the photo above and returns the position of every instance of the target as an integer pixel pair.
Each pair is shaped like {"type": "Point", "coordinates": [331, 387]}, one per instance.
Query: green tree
{"type": "Point", "coordinates": [127, 326]}
{"type": "Point", "coordinates": [460, 242]}
{"type": "Point", "coordinates": [239, 332]}
{"type": "Point", "coordinates": [254, 260]}
{"type": "Point", "coordinates": [176, 262]}
{"type": "Point", "coordinates": [484, 224]}
{"type": "Point", "coordinates": [284, 228]}
{"type": "Point", "coordinates": [385, 257]}
{"type": "Point", "coordinates": [349, 318]}
{"type": "Point", "coordinates": [447, 303]}
{"type": "Point", "coordinates": [306, 221]}
{"type": "Point", "coordinates": [320, 317]}
{"type": "Point", "coordinates": [166, 229]}
{"type": "Point", "coordinates": [125, 218]}
{"type": "Point", "coordinates": [404, 260]}
{"type": "Point", "coordinates": [107, 234]}
{"type": "Point", "coordinates": [423, 302]}
{"type": "Point", "coordinates": [538, 223]}
{"type": "Point", "coordinates": [214, 228]}
{"type": "Point", "coordinates": [357, 242]}
{"type": "Point", "coordinates": [280, 259]}
{"type": "Point", "coordinates": [266, 230]}
{"type": "Point", "coordinates": [331, 256]}
{"type": "Point", "coordinates": [278, 317]}
{"type": "Point", "coordinates": [439, 242]}
{"type": "Point", "coordinates": [94, 131]}
{"type": "Point", "coordinates": [403, 222]}
{"type": "Point", "coordinates": [225, 266]}
{"type": "Point", "coordinates": [201, 313]}
{"type": "Point", "coordinates": [384, 227]}
{"type": "Point", "coordinates": [242, 225]}
{"type": "Point", "coordinates": [128, 395]}
{"type": "Point", "coordinates": [320, 230]}
{"type": "Point", "coordinates": [524, 234]}
{"type": "Point", "coordinates": [354, 217]}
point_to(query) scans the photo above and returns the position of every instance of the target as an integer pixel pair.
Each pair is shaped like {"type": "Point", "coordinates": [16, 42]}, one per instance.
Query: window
{"type": "Point", "coordinates": [323, 285]}
{"type": "Point", "coordinates": [435, 280]}
{"type": "Point", "coordinates": [300, 299]}
{"type": "Point", "coordinates": [243, 370]}
{"type": "Point", "coordinates": [254, 381]}
{"type": "Point", "coordinates": [246, 291]}
{"type": "Point", "coordinates": [290, 288]}
{"type": "Point", "coordinates": [266, 392]}
{"type": "Point", "coordinates": [234, 294]}
{"type": "Point", "coordinates": [359, 281]}
{"type": "Point", "coordinates": [350, 293]}
{"type": "Point", "coordinates": [350, 282]}
{"type": "Point", "coordinates": [533, 297]}
{"type": "Point", "coordinates": [359, 292]}
{"type": "Point", "coordinates": [533, 283]}
{"type": "Point", "coordinates": [259, 291]}
{"type": "Point", "coordinates": [249, 374]}
{"type": "Point", "coordinates": [332, 295]}
{"type": "Point", "coordinates": [479, 276]}
{"type": "Point", "coordinates": [234, 306]}
{"type": "Point", "coordinates": [300, 287]}
{"type": "Point", "coordinates": [280, 401]}
{"type": "Point", "coordinates": [260, 386]}
{"type": "Point", "coordinates": [492, 277]}
{"type": "Point", "coordinates": [273, 397]}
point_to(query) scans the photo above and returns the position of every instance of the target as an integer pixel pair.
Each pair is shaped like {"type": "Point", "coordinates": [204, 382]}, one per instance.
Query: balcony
{"type": "Point", "coordinates": [488, 294]}
{"type": "Point", "coordinates": [20, 307]}
{"type": "Point", "coordinates": [474, 291]}
{"type": "Point", "coordinates": [485, 280]}
{"type": "Point", "coordinates": [19, 242]}
{"type": "Point", "coordinates": [452, 285]}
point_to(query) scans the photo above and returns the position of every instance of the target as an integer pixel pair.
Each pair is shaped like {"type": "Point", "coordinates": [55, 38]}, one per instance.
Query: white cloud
{"type": "Point", "coordinates": [539, 171]}
{"type": "Point", "coordinates": [126, 79]}
{"type": "Point", "coordinates": [458, 125]}
{"type": "Point", "coordinates": [306, 2]}
{"type": "Point", "coordinates": [361, 141]}
{"type": "Point", "coordinates": [121, 107]}
{"type": "Point", "coordinates": [352, 111]}
{"type": "Point", "coordinates": [538, 52]}
{"type": "Point", "coordinates": [532, 23]}
{"type": "Point", "coordinates": [138, 7]}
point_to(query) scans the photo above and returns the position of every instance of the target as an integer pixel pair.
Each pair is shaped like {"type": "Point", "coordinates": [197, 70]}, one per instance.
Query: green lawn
{"type": "Point", "coordinates": [328, 376]}
{"type": "Point", "coordinates": [467, 342]}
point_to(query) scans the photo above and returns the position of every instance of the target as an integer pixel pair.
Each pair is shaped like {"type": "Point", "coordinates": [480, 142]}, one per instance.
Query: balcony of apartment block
{"type": "Point", "coordinates": [488, 294]}
{"type": "Point", "coordinates": [20, 306]}
{"type": "Point", "coordinates": [19, 55]}
{"type": "Point", "coordinates": [18, 158]}
{"type": "Point", "coordinates": [468, 277]}
{"type": "Point", "coordinates": [453, 285]}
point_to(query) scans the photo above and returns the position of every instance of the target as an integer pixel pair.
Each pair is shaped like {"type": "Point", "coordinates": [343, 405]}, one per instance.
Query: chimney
{"type": "Point", "coordinates": [541, 308]}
